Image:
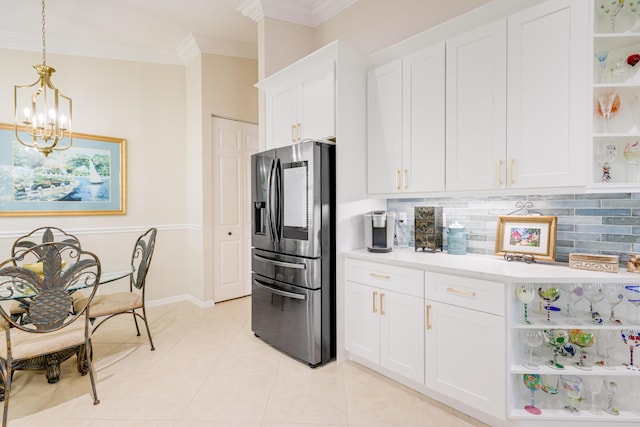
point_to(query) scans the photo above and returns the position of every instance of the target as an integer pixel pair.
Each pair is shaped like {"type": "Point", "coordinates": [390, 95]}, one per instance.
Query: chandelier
{"type": "Point", "coordinates": [42, 112]}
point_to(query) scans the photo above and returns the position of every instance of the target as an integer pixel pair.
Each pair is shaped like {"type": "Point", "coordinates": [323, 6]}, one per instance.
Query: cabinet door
{"type": "Point", "coordinates": [423, 116]}
{"type": "Point", "coordinates": [402, 334]}
{"type": "Point", "coordinates": [476, 109]}
{"type": "Point", "coordinates": [281, 115]}
{"type": "Point", "coordinates": [229, 280]}
{"type": "Point", "coordinates": [316, 114]}
{"type": "Point", "coordinates": [547, 123]}
{"type": "Point", "coordinates": [465, 356]}
{"type": "Point", "coordinates": [384, 122]}
{"type": "Point", "coordinates": [362, 321]}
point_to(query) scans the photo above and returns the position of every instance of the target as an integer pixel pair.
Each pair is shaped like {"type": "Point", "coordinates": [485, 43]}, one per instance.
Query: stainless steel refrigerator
{"type": "Point", "coordinates": [293, 250]}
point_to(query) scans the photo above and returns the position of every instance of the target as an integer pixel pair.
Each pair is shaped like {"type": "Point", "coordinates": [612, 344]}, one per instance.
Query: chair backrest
{"type": "Point", "coordinates": [42, 235]}
{"type": "Point", "coordinates": [45, 275]}
{"type": "Point", "coordinates": [141, 258]}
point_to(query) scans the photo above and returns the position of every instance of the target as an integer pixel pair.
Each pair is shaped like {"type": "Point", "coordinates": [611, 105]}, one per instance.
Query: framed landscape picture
{"type": "Point", "coordinates": [87, 179]}
{"type": "Point", "coordinates": [528, 235]}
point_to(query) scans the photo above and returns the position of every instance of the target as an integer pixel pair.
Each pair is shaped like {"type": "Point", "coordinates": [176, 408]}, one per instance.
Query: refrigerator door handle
{"type": "Point", "coordinates": [270, 198]}
{"type": "Point", "coordinates": [281, 263]}
{"type": "Point", "coordinates": [278, 193]}
{"type": "Point", "coordinates": [286, 294]}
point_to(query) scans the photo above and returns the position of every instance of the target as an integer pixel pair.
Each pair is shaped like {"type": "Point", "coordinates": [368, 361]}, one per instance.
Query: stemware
{"type": "Point", "coordinates": [606, 153]}
{"type": "Point", "coordinates": [633, 296]}
{"type": "Point", "coordinates": [572, 385]}
{"type": "Point", "coordinates": [613, 296]}
{"type": "Point", "coordinates": [549, 295]}
{"type": "Point", "coordinates": [608, 105]}
{"type": "Point", "coordinates": [605, 341]}
{"type": "Point", "coordinates": [582, 339]}
{"type": "Point", "coordinates": [525, 293]}
{"type": "Point", "coordinates": [557, 339]}
{"type": "Point", "coordinates": [594, 384]}
{"type": "Point", "coordinates": [602, 57]}
{"type": "Point", "coordinates": [611, 387]}
{"type": "Point", "coordinates": [611, 8]}
{"type": "Point", "coordinates": [631, 337]}
{"type": "Point", "coordinates": [532, 382]}
{"type": "Point", "coordinates": [533, 338]}
{"type": "Point", "coordinates": [549, 383]}
{"type": "Point", "coordinates": [632, 156]}
{"type": "Point", "coordinates": [574, 294]}
{"type": "Point", "coordinates": [594, 293]}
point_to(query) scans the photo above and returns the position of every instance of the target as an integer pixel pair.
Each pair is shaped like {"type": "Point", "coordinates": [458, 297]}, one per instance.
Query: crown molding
{"type": "Point", "coordinates": [310, 13]}
{"type": "Point", "coordinates": [196, 44]}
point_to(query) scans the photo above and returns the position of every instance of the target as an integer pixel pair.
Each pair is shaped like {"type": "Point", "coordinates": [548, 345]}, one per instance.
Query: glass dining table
{"type": "Point", "coordinates": [51, 362]}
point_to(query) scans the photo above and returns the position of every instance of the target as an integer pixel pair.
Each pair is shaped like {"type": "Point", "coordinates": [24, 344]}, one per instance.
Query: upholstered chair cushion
{"type": "Point", "coordinates": [25, 345]}
{"type": "Point", "coordinates": [103, 305]}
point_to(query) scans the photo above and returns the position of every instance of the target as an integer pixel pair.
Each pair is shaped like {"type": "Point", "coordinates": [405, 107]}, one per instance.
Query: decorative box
{"type": "Point", "coordinates": [428, 227]}
{"type": "Point", "coordinates": [606, 263]}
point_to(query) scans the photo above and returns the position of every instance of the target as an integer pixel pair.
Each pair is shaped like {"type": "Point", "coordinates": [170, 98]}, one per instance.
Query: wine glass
{"type": "Point", "coordinates": [557, 339]}
{"type": "Point", "coordinates": [602, 60]}
{"type": "Point", "coordinates": [632, 156]}
{"type": "Point", "coordinates": [582, 339]}
{"type": "Point", "coordinates": [611, 387]}
{"type": "Point", "coordinates": [574, 294]}
{"type": "Point", "coordinates": [572, 385]}
{"type": "Point", "coordinates": [594, 384]}
{"type": "Point", "coordinates": [532, 338]}
{"type": "Point", "coordinates": [532, 382]}
{"type": "Point", "coordinates": [611, 8]}
{"type": "Point", "coordinates": [549, 383]}
{"type": "Point", "coordinates": [613, 296]}
{"type": "Point", "coordinates": [631, 337]}
{"type": "Point", "coordinates": [608, 104]}
{"type": "Point", "coordinates": [606, 341]}
{"type": "Point", "coordinates": [633, 296]}
{"type": "Point", "coordinates": [594, 293]}
{"type": "Point", "coordinates": [605, 153]}
{"type": "Point", "coordinates": [525, 293]}
{"type": "Point", "coordinates": [549, 295]}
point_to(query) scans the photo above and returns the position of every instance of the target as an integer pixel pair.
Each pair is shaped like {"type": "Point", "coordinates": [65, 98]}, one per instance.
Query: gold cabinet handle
{"type": "Point", "coordinates": [405, 179]}
{"type": "Point", "coordinates": [461, 292]}
{"type": "Point", "coordinates": [499, 172]}
{"type": "Point", "coordinates": [380, 276]}
{"type": "Point", "coordinates": [428, 316]}
{"type": "Point", "coordinates": [299, 131]}
{"type": "Point", "coordinates": [381, 304]}
{"type": "Point", "coordinates": [293, 133]}
{"type": "Point", "coordinates": [375, 297]}
{"type": "Point", "coordinates": [512, 164]}
{"type": "Point", "coordinates": [397, 179]}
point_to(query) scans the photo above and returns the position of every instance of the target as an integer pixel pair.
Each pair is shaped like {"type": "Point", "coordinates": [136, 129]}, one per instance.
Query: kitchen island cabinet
{"type": "Point", "coordinates": [473, 336]}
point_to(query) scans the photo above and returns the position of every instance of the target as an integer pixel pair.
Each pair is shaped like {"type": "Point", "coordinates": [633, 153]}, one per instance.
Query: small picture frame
{"type": "Point", "coordinates": [527, 234]}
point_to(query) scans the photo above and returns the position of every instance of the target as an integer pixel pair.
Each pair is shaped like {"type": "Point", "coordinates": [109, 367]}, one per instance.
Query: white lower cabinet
{"type": "Point", "coordinates": [386, 326]}
{"type": "Point", "coordinates": [465, 341]}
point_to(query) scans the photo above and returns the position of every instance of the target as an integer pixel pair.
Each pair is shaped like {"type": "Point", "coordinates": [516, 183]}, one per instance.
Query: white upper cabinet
{"type": "Point", "coordinates": [517, 100]}
{"type": "Point", "coordinates": [476, 108]}
{"type": "Point", "coordinates": [406, 119]}
{"type": "Point", "coordinates": [302, 108]}
{"type": "Point", "coordinates": [548, 97]}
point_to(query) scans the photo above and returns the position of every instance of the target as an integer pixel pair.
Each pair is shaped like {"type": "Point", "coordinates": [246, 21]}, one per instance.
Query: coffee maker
{"type": "Point", "coordinates": [379, 227]}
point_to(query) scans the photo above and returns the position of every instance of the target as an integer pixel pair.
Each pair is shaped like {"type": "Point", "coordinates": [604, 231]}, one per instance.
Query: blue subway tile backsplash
{"type": "Point", "coordinates": [607, 223]}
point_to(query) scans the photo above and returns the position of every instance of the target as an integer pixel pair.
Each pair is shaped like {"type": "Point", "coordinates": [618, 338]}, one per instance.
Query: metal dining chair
{"type": "Point", "coordinates": [46, 274]}
{"type": "Point", "coordinates": [33, 238]}
{"type": "Point", "coordinates": [131, 302]}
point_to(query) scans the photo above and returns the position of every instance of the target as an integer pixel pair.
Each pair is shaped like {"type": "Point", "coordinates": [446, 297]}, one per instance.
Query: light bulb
{"type": "Point", "coordinates": [52, 114]}
{"type": "Point", "coordinates": [40, 118]}
{"type": "Point", "coordinates": [63, 121]}
{"type": "Point", "coordinates": [27, 114]}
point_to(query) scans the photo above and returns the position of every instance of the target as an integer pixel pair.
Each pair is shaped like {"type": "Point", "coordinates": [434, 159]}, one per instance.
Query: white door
{"type": "Point", "coordinates": [402, 334]}
{"type": "Point", "coordinates": [231, 241]}
{"type": "Point", "coordinates": [465, 356]}
{"type": "Point", "coordinates": [476, 108]}
{"type": "Point", "coordinates": [362, 321]}
{"type": "Point", "coordinates": [384, 124]}
{"type": "Point", "coordinates": [547, 94]}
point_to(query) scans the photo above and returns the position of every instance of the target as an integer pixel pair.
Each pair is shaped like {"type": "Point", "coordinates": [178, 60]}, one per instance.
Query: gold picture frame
{"type": "Point", "coordinates": [87, 179]}
{"type": "Point", "coordinates": [527, 235]}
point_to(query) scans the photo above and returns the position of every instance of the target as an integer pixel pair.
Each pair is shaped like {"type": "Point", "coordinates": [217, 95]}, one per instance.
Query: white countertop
{"type": "Point", "coordinates": [491, 267]}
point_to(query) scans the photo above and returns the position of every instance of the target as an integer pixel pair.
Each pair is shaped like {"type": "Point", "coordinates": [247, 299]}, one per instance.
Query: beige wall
{"type": "Point", "coordinates": [150, 105]}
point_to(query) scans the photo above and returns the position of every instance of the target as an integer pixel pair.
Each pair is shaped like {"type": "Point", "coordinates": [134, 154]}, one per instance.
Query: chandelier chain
{"type": "Point", "coordinates": [44, 39]}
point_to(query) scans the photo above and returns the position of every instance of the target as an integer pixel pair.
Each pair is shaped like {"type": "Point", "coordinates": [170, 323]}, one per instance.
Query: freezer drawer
{"type": "Point", "coordinates": [305, 272]}
{"type": "Point", "coordinates": [288, 318]}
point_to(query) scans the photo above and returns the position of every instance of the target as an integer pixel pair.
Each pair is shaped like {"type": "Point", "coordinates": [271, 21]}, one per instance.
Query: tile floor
{"type": "Point", "coordinates": [209, 370]}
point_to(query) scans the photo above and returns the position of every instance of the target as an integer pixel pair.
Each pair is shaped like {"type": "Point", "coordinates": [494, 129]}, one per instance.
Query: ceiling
{"type": "Point", "coordinates": [163, 31]}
